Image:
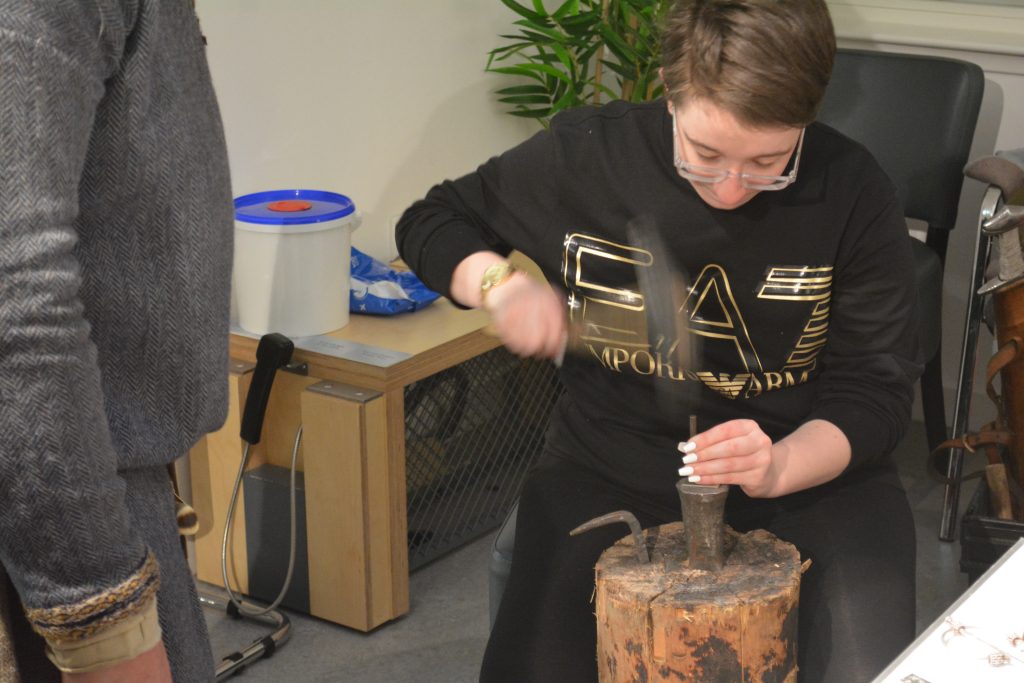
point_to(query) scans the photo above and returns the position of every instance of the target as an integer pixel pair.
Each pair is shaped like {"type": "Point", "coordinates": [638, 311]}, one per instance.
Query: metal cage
{"type": "Point", "coordinates": [471, 433]}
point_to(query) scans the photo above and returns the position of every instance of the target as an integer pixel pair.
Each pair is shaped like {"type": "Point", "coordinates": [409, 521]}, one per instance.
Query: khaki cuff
{"type": "Point", "coordinates": [126, 640]}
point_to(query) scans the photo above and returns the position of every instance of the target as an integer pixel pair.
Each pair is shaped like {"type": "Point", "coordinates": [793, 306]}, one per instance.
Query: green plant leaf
{"type": "Point", "coordinates": [498, 54]}
{"type": "Point", "coordinates": [545, 33]}
{"type": "Point", "coordinates": [619, 47]}
{"type": "Point", "coordinates": [654, 90]}
{"type": "Point", "coordinates": [531, 113]}
{"type": "Point", "coordinates": [550, 71]}
{"type": "Point", "coordinates": [564, 53]}
{"type": "Point", "coordinates": [564, 58]}
{"type": "Point", "coordinates": [624, 72]}
{"type": "Point", "coordinates": [544, 57]}
{"type": "Point", "coordinates": [515, 36]}
{"type": "Point", "coordinates": [534, 71]}
{"type": "Point", "coordinates": [586, 55]}
{"type": "Point", "coordinates": [525, 99]}
{"type": "Point", "coordinates": [569, 99]}
{"type": "Point", "coordinates": [518, 70]}
{"type": "Point", "coordinates": [522, 90]}
{"type": "Point", "coordinates": [568, 7]}
{"type": "Point", "coordinates": [523, 11]}
{"type": "Point", "coordinates": [607, 92]}
{"type": "Point", "coordinates": [582, 26]}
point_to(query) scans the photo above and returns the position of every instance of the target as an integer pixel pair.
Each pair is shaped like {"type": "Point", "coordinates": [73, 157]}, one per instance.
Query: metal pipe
{"type": "Point", "coordinates": [968, 357]}
{"type": "Point", "coordinates": [259, 648]}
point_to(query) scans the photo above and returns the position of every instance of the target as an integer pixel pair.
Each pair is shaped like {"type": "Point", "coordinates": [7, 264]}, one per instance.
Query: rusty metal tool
{"type": "Point", "coordinates": [703, 509]}
{"type": "Point", "coordinates": [626, 517]}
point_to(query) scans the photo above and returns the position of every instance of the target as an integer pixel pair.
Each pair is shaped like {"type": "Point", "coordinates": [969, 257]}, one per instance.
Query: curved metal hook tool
{"type": "Point", "coordinates": [625, 517]}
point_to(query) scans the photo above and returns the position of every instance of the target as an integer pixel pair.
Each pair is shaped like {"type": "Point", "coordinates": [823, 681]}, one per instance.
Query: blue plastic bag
{"type": "Point", "coordinates": [376, 289]}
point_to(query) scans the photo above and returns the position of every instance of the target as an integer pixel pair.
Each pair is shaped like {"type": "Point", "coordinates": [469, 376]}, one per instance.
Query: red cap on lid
{"type": "Point", "coordinates": [290, 205]}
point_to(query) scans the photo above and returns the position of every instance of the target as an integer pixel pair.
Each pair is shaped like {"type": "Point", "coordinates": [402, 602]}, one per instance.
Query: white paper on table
{"type": "Point", "coordinates": [979, 639]}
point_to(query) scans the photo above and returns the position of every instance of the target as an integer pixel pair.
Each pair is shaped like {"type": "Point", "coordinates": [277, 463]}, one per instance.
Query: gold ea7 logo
{"type": "Point", "coordinates": [607, 314]}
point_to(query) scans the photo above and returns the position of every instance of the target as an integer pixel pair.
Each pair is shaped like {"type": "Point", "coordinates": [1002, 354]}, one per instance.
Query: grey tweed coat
{"type": "Point", "coordinates": [115, 258]}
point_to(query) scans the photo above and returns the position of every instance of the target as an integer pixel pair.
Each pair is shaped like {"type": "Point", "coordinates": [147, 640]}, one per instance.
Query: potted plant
{"type": "Point", "coordinates": [583, 52]}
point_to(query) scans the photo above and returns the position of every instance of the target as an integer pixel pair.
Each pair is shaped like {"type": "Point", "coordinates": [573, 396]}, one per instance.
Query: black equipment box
{"type": "Point", "coordinates": [984, 539]}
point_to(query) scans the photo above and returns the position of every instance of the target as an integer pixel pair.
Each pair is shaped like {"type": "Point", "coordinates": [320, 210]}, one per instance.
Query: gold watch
{"type": "Point", "coordinates": [494, 276]}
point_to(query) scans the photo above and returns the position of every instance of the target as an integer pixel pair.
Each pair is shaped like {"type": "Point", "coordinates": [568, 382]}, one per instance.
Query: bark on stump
{"type": "Point", "coordinates": [665, 622]}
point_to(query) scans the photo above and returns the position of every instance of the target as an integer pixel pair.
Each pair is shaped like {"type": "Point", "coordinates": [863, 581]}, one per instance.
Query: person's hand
{"type": "Point", "coordinates": [528, 316]}
{"type": "Point", "coordinates": [149, 667]}
{"type": "Point", "coordinates": [734, 452]}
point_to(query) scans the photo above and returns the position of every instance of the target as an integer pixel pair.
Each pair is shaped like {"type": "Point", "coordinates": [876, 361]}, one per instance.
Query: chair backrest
{"type": "Point", "coordinates": [917, 115]}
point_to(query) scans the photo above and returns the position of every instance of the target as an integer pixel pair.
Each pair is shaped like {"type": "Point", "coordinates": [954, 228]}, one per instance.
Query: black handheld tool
{"type": "Point", "coordinates": [273, 352]}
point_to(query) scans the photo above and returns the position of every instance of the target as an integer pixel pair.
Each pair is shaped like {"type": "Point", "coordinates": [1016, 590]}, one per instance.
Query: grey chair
{"type": "Point", "coordinates": [917, 115]}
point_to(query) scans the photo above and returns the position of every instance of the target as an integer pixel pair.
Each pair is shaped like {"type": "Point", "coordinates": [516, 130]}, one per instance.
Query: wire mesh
{"type": "Point", "coordinates": [471, 433]}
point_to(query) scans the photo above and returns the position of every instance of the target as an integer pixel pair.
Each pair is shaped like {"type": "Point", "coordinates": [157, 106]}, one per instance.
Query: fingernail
{"type": "Point", "coordinates": [685, 471]}
{"type": "Point", "coordinates": [694, 479]}
{"type": "Point", "coordinates": [689, 459]}
{"type": "Point", "coordinates": [687, 447]}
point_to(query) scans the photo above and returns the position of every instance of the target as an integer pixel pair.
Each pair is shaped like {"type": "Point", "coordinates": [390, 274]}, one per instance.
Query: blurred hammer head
{"type": "Point", "coordinates": [664, 287]}
{"type": "Point", "coordinates": [630, 298]}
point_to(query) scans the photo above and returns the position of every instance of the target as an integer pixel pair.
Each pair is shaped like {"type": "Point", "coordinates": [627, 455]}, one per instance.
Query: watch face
{"type": "Point", "coordinates": [495, 274]}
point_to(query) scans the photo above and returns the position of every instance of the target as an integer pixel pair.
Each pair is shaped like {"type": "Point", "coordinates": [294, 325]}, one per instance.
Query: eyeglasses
{"type": "Point", "coordinates": [751, 181]}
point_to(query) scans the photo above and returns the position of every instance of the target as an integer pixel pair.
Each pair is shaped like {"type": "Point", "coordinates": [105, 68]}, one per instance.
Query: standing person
{"type": "Point", "coordinates": [115, 257]}
{"type": "Point", "coordinates": [802, 297]}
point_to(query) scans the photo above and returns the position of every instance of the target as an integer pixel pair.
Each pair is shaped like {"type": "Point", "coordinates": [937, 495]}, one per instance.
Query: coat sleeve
{"type": "Point", "coordinates": [65, 536]}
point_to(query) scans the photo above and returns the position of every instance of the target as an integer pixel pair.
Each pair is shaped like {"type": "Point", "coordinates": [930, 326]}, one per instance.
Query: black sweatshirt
{"type": "Point", "coordinates": [802, 301]}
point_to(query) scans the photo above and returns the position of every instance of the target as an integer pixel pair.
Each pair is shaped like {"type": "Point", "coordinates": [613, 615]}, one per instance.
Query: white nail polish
{"type": "Point", "coordinates": [694, 479]}
{"type": "Point", "coordinates": [687, 447]}
{"type": "Point", "coordinates": [685, 471]}
{"type": "Point", "coordinates": [690, 459]}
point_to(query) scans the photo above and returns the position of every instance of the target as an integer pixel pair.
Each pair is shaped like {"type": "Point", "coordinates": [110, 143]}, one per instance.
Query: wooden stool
{"type": "Point", "coordinates": [663, 621]}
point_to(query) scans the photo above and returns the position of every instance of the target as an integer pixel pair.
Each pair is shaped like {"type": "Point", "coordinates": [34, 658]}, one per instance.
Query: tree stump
{"type": "Point", "coordinates": [665, 622]}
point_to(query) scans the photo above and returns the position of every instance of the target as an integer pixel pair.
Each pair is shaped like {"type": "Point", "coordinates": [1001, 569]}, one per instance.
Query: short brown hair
{"type": "Point", "coordinates": [766, 62]}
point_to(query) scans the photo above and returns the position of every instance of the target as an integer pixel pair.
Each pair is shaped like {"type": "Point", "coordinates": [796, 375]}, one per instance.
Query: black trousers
{"type": "Point", "coordinates": [857, 600]}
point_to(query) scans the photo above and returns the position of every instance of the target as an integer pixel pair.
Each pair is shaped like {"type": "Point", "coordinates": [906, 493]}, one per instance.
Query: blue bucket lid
{"type": "Point", "coordinates": [292, 207]}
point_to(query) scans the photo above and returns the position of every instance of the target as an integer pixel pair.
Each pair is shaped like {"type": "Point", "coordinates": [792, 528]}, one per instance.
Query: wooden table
{"type": "Point", "coordinates": [350, 406]}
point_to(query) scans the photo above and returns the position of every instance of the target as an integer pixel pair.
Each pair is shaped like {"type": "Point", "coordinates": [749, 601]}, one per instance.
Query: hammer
{"type": "Point", "coordinates": [645, 312]}
{"type": "Point", "coordinates": [703, 507]}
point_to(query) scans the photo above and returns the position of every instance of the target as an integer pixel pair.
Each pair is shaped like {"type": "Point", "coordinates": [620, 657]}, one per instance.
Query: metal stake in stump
{"type": "Point", "coordinates": [703, 524]}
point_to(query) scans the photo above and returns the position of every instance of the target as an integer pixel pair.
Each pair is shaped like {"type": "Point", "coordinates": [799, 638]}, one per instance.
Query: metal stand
{"type": "Point", "coordinates": [259, 648]}
{"type": "Point", "coordinates": [968, 359]}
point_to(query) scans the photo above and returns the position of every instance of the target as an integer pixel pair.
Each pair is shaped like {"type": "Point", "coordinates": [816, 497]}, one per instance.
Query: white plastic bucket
{"type": "Point", "coordinates": [292, 255]}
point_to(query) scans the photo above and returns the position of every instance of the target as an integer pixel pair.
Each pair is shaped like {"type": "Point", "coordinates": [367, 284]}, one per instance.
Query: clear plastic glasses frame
{"type": "Point", "coordinates": [751, 181]}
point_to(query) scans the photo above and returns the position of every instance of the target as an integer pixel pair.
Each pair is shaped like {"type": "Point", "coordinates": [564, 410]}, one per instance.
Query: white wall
{"type": "Point", "coordinates": [376, 99]}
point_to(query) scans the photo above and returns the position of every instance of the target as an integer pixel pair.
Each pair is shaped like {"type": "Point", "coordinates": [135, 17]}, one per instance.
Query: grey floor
{"type": "Point", "coordinates": [442, 638]}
